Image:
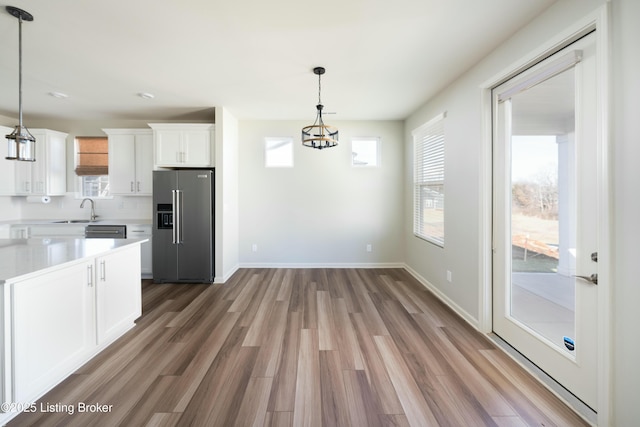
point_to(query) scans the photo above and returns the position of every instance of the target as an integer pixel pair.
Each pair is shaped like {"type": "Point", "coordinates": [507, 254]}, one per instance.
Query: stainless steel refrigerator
{"type": "Point", "coordinates": [183, 226]}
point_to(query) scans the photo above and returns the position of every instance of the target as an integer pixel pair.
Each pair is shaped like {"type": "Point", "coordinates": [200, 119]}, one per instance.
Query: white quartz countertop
{"type": "Point", "coordinates": [24, 257]}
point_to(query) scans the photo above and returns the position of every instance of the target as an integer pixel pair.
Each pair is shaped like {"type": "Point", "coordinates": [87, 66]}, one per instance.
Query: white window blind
{"type": "Point", "coordinates": [429, 184]}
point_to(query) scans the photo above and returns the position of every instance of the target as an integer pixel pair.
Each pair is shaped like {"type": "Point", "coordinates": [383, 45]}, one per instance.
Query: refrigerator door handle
{"type": "Point", "coordinates": [174, 226]}
{"type": "Point", "coordinates": [178, 219]}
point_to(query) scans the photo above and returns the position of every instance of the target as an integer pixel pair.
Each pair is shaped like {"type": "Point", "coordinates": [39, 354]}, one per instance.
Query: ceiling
{"type": "Point", "coordinates": [383, 59]}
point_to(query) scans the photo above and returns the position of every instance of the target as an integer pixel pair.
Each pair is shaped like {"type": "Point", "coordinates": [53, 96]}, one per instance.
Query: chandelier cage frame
{"type": "Point", "coordinates": [319, 135]}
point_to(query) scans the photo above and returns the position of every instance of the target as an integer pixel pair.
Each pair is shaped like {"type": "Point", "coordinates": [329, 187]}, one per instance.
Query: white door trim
{"type": "Point", "coordinates": [598, 20]}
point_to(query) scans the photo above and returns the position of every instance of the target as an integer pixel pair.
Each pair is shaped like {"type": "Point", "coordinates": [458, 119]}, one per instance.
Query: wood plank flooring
{"type": "Point", "coordinates": [302, 347]}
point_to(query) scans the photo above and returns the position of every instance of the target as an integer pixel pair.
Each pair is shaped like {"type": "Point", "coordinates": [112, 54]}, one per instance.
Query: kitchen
{"type": "Point", "coordinates": [46, 262]}
{"type": "Point", "coordinates": [323, 211]}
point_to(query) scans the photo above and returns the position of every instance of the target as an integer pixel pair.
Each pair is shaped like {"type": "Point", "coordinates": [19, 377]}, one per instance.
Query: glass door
{"type": "Point", "coordinates": [545, 205]}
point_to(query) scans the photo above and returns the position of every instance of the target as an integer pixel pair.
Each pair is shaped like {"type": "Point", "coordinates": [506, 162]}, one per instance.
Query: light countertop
{"type": "Point", "coordinates": [26, 257]}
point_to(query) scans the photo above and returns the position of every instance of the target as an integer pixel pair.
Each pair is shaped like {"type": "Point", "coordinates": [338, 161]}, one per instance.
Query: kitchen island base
{"type": "Point", "coordinates": [57, 318]}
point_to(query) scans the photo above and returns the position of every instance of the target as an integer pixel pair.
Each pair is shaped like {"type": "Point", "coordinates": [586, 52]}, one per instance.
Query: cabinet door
{"type": "Point", "coordinates": [119, 297]}
{"type": "Point", "coordinates": [7, 168]}
{"type": "Point", "coordinates": [48, 174]}
{"type": "Point", "coordinates": [23, 178]}
{"type": "Point", "coordinates": [169, 150]}
{"type": "Point", "coordinates": [53, 329]}
{"type": "Point", "coordinates": [38, 168]}
{"type": "Point", "coordinates": [143, 232]}
{"type": "Point", "coordinates": [55, 166]}
{"type": "Point", "coordinates": [122, 178]}
{"type": "Point", "coordinates": [197, 147]}
{"type": "Point", "coordinates": [144, 164]}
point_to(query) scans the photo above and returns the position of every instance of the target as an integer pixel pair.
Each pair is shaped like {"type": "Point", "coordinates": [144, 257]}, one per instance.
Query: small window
{"type": "Point", "coordinates": [92, 166]}
{"type": "Point", "coordinates": [429, 174]}
{"type": "Point", "coordinates": [278, 152]}
{"type": "Point", "coordinates": [365, 152]}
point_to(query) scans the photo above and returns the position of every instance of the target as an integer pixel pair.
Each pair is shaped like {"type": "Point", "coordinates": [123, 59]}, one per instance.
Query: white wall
{"type": "Point", "coordinates": [462, 254]}
{"type": "Point", "coordinates": [463, 161]}
{"type": "Point", "coordinates": [227, 195]}
{"type": "Point", "coordinates": [322, 211]}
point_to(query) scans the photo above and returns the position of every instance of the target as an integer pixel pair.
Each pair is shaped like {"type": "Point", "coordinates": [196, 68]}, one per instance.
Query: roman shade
{"type": "Point", "coordinates": [92, 156]}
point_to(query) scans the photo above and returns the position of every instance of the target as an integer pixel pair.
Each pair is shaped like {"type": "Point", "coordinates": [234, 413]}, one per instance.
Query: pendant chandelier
{"type": "Point", "coordinates": [319, 135]}
{"type": "Point", "coordinates": [21, 144]}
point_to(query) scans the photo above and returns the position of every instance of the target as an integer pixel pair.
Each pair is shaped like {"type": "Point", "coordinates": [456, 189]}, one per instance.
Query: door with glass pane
{"type": "Point", "coordinates": [544, 216]}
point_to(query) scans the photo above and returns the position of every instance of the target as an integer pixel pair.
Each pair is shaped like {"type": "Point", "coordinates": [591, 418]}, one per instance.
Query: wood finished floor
{"type": "Point", "coordinates": [294, 347]}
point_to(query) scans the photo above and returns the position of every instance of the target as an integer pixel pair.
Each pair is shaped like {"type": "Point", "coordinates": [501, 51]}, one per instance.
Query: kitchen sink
{"type": "Point", "coordinates": [72, 221]}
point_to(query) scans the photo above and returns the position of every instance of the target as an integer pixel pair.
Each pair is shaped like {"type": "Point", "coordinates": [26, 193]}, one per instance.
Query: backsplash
{"type": "Point", "coordinates": [68, 207]}
{"type": "Point", "coordinates": [9, 208]}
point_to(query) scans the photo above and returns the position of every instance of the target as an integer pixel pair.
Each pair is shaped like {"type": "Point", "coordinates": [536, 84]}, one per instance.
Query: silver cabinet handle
{"type": "Point", "coordinates": [138, 185]}
{"type": "Point", "coordinates": [103, 271]}
{"type": "Point", "coordinates": [131, 186]}
{"type": "Point", "coordinates": [90, 275]}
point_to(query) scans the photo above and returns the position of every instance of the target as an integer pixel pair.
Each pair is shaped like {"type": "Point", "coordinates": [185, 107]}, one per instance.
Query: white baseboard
{"type": "Point", "coordinates": [227, 275]}
{"type": "Point", "coordinates": [444, 298]}
{"type": "Point", "coordinates": [323, 265]}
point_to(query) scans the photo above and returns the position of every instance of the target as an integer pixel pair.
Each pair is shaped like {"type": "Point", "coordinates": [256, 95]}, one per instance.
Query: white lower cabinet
{"type": "Point", "coordinates": [53, 328]}
{"type": "Point", "coordinates": [118, 293]}
{"type": "Point", "coordinates": [55, 322]}
{"type": "Point", "coordinates": [137, 231]}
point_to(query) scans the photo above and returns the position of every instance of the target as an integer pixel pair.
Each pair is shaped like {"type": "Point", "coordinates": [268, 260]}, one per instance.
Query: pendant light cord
{"type": "Point", "coordinates": [20, 70]}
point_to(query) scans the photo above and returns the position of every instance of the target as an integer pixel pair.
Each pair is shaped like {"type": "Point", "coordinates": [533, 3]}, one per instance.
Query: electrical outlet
{"type": "Point", "coordinates": [254, 247]}
{"type": "Point", "coordinates": [449, 276]}
{"type": "Point", "coordinates": [369, 248]}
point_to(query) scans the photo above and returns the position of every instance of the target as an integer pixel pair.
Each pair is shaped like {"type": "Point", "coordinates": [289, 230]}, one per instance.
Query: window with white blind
{"type": "Point", "coordinates": [428, 173]}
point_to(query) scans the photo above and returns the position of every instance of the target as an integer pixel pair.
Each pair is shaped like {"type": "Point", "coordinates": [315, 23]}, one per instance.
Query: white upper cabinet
{"type": "Point", "coordinates": [130, 161]}
{"type": "Point", "coordinates": [48, 174]}
{"type": "Point", "coordinates": [183, 145]}
{"type": "Point", "coordinates": [7, 167]}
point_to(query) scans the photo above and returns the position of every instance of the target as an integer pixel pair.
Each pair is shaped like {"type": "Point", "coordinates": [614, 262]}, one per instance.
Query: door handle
{"type": "Point", "coordinates": [592, 279]}
{"type": "Point", "coordinates": [174, 227]}
{"type": "Point", "coordinates": [178, 217]}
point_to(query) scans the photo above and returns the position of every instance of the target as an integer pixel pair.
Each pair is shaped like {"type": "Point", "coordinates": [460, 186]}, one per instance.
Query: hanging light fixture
{"type": "Point", "coordinates": [319, 135]}
{"type": "Point", "coordinates": [21, 144]}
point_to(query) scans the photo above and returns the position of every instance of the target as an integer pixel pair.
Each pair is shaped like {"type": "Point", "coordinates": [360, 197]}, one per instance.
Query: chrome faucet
{"type": "Point", "coordinates": [93, 210]}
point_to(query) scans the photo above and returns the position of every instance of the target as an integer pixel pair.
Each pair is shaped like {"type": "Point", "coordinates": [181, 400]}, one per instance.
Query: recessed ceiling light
{"type": "Point", "coordinates": [146, 95]}
{"type": "Point", "coordinates": [58, 95]}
